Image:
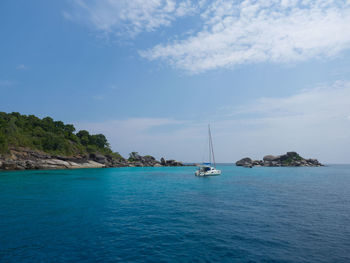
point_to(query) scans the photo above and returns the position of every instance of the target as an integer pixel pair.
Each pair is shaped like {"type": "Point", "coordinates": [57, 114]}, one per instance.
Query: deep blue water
{"type": "Point", "coordinates": [169, 215]}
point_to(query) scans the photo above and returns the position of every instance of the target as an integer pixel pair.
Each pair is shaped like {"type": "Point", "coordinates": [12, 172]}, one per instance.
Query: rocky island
{"type": "Point", "coordinates": [288, 159]}
{"type": "Point", "coordinates": [28, 142]}
{"type": "Point", "coordinates": [27, 159]}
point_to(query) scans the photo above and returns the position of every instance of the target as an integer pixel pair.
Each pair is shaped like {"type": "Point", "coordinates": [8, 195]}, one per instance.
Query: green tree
{"type": "Point", "coordinates": [84, 137]}
{"type": "Point", "coordinates": [48, 135]}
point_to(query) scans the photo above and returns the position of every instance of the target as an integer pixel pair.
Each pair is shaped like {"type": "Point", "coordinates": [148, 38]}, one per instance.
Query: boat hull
{"type": "Point", "coordinates": [209, 173]}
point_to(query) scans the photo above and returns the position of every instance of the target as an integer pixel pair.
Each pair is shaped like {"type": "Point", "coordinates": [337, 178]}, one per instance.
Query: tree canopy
{"type": "Point", "coordinates": [47, 135]}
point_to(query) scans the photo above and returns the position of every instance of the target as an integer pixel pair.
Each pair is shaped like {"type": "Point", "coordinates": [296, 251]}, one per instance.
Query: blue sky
{"type": "Point", "coordinates": [270, 76]}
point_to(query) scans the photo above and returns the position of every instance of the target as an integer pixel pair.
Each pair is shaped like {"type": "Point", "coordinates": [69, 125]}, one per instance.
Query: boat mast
{"type": "Point", "coordinates": [211, 148]}
{"type": "Point", "coordinates": [209, 144]}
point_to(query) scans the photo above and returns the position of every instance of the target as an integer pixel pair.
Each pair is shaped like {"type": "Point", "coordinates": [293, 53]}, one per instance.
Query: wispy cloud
{"type": "Point", "coordinates": [21, 67]}
{"type": "Point", "coordinates": [251, 31]}
{"type": "Point", "coordinates": [98, 97]}
{"type": "Point", "coordinates": [146, 135]}
{"type": "Point", "coordinates": [232, 32]}
{"type": "Point", "coordinates": [7, 83]}
{"type": "Point", "coordinates": [324, 100]}
{"type": "Point", "coordinates": [129, 17]}
{"type": "Point", "coordinates": [314, 122]}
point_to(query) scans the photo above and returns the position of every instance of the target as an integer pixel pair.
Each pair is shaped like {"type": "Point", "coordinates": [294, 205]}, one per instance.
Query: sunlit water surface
{"type": "Point", "coordinates": [169, 215]}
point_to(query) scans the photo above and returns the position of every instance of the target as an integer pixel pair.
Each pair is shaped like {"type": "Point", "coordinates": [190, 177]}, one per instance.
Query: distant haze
{"type": "Point", "coordinates": [315, 123]}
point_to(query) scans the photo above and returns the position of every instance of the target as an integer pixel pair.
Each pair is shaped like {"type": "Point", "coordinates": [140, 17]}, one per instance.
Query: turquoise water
{"type": "Point", "coordinates": [169, 215]}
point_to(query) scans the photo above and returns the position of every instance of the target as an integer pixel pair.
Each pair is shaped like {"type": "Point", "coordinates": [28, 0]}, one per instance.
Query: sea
{"type": "Point", "coordinates": [166, 214]}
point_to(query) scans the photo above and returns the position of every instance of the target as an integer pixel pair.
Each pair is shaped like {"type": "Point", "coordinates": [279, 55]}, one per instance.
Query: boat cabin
{"type": "Point", "coordinates": [205, 168]}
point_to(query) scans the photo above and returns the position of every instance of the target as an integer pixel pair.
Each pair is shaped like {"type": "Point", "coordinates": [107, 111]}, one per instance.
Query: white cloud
{"type": "Point", "coordinates": [232, 33]}
{"type": "Point", "coordinates": [251, 31]}
{"type": "Point", "coordinates": [129, 16]}
{"type": "Point", "coordinates": [314, 123]}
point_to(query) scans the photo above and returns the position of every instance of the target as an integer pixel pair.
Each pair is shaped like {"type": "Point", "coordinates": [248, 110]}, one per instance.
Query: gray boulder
{"type": "Point", "coordinates": [99, 158]}
{"type": "Point", "coordinates": [135, 156]}
{"type": "Point", "coordinates": [162, 161]}
{"type": "Point", "coordinates": [245, 162]}
{"type": "Point", "coordinates": [10, 165]}
{"type": "Point", "coordinates": [271, 158]}
{"type": "Point", "coordinates": [258, 163]}
{"type": "Point", "coordinates": [173, 163]}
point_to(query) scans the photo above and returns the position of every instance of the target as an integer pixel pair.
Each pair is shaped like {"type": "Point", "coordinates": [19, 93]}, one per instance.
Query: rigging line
{"type": "Point", "coordinates": [209, 144]}
{"type": "Point", "coordinates": [204, 152]}
{"type": "Point", "coordinates": [212, 148]}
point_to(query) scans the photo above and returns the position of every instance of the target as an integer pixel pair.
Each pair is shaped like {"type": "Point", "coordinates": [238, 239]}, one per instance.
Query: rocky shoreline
{"type": "Point", "coordinates": [27, 159]}
{"type": "Point", "coordinates": [290, 159]}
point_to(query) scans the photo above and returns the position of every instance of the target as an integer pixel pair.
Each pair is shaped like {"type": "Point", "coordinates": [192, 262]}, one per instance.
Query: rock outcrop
{"type": "Point", "coordinates": [27, 159]}
{"type": "Point", "coordinates": [173, 163]}
{"type": "Point", "coordinates": [28, 142]}
{"type": "Point", "coordinates": [246, 162]}
{"type": "Point", "coordinates": [288, 159]}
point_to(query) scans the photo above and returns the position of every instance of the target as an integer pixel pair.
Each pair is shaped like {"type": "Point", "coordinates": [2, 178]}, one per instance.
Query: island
{"type": "Point", "coordinates": [289, 159]}
{"type": "Point", "coordinates": [28, 142]}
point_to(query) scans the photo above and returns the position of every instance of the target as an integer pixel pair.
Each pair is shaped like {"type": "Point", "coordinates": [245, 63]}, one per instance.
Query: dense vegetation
{"type": "Point", "coordinates": [47, 135]}
{"type": "Point", "coordinates": [290, 158]}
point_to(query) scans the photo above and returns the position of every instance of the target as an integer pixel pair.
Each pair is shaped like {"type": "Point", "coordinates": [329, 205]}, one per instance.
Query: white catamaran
{"type": "Point", "coordinates": [207, 169]}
